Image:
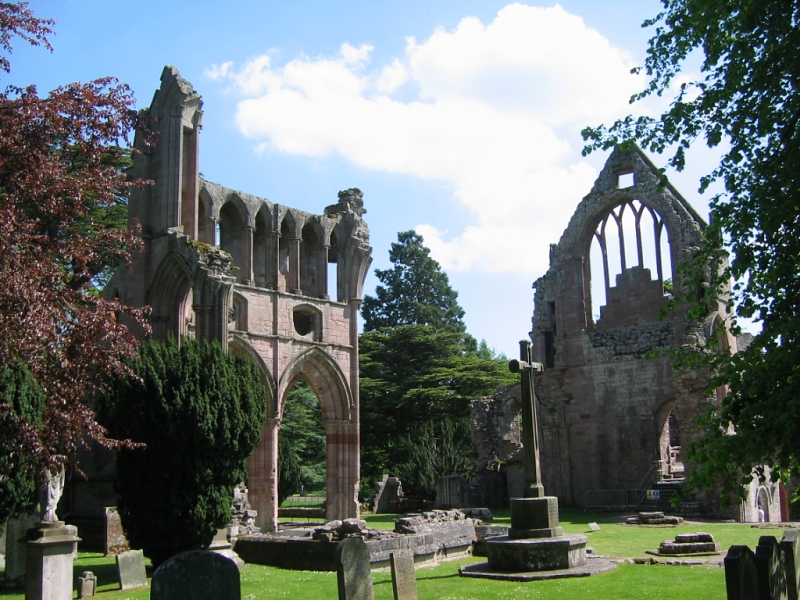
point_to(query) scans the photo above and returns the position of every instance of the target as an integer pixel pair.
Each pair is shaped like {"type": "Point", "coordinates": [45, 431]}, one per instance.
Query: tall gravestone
{"type": "Point", "coordinates": [741, 579]}
{"type": "Point", "coordinates": [353, 573]}
{"type": "Point", "coordinates": [770, 569]}
{"type": "Point", "coordinates": [199, 575]}
{"type": "Point", "coordinates": [404, 580]}
{"type": "Point", "coordinates": [16, 544]}
{"type": "Point", "coordinates": [790, 548]}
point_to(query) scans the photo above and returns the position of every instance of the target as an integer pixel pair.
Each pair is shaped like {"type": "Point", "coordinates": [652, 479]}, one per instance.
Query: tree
{"type": "Point", "coordinates": [199, 412]}
{"type": "Point", "coordinates": [413, 375]}
{"type": "Point", "coordinates": [414, 292]}
{"type": "Point", "coordinates": [302, 443]}
{"type": "Point", "coordinates": [747, 104]}
{"type": "Point", "coordinates": [59, 158]}
{"type": "Point", "coordinates": [21, 401]}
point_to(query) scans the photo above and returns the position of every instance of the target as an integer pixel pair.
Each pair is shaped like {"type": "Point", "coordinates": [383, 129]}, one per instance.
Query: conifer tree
{"type": "Point", "coordinates": [416, 291]}
{"type": "Point", "coordinates": [199, 411]}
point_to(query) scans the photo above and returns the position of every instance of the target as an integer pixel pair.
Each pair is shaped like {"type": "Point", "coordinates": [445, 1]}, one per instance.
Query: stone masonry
{"type": "Point", "coordinates": [223, 265]}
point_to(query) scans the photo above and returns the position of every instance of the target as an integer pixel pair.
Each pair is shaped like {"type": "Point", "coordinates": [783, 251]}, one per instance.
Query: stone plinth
{"type": "Point", "coordinates": [537, 554]}
{"type": "Point", "coordinates": [48, 563]}
{"type": "Point", "coordinates": [534, 518]}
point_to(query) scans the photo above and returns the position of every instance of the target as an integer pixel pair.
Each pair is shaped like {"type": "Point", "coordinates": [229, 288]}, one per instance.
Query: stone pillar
{"type": "Point", "coordinates": [48, 563]}
{"type": "Point", "coordinates": [247, 255]}
{"type": "Point", "coordinates": [342, 465]}
{"type": "Point", "coordinates": [322, 273]}
{"type": "Point", "coordinates": [294, 266]}
{"type": "Point", "coordinates": [272, 259]}
{"type": "Point", "coordinates": [262, 477]}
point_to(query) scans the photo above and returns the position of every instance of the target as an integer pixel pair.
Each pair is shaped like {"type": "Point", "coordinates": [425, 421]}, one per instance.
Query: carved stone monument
{"type": "Point", "coordinates": [48, 562]}
{"type": "Point", "coordinates": [131, 571]}
{"type": "Point", "coordinates": [87, 585]}
{"type": "Point", "coordinates": [536, 546]}
{"type": "Point", "coordinates": [353, 572]}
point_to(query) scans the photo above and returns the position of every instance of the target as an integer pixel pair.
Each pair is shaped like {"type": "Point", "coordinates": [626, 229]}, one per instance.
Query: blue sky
{"type": "Point", "coordinates": [460, 118]}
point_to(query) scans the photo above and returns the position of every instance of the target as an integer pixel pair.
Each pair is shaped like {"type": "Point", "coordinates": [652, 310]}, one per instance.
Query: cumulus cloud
{"type": "Point", "coordinates": [495, 113]}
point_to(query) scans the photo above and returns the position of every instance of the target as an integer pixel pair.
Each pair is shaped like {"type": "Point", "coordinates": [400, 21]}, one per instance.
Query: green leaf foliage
{"type": "Point", "coordinates": [199, 412]}
{"type": "Point", "coordinates": [413, 375]}
{"type": "Point", "coordinates": [302, 442]}
{"type": "Point", "coordinates": [21, 405]}
{"type": "Point", "coordinates": [414, 292]}
{"type": "Point", "coordinates": [746, 102]}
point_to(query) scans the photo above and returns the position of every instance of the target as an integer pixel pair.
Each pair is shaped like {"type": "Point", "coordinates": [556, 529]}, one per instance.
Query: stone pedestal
{"type": "Point", "coordinates": [48, 562]}
{"type": "Point", "coordinates": [537, 554]}
{"type": "Point", "coordinates": [534, 518]}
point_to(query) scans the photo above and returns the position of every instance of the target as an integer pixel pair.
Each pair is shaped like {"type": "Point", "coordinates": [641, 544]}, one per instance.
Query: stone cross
{"type": "Point", "coordinates": [533, 487]}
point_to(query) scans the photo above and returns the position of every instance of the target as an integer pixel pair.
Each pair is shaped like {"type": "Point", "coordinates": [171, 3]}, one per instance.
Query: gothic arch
{"type": "Point", "coordinates": [325, 377]}
{"type": "Point", "coordinates": [238, 345]}
{"type": "Point", "coordinates": [170, 298]}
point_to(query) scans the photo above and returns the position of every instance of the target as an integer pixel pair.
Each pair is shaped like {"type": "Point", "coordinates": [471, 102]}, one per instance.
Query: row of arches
{"type": "Point", "coordinates": [275, 248]}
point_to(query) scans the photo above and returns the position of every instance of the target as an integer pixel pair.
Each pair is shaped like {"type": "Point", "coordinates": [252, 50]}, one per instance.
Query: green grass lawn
{"type": "Point", "coordinates": [442, 582]}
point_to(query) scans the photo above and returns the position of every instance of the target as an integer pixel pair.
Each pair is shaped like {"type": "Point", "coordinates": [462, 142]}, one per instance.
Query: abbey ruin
{"type": "Point", "coordinates": [219, 264]}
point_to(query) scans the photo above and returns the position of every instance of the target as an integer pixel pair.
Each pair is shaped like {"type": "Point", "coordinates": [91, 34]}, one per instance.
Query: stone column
{"type": "Point", "coordinates": [294, 266]}
{"type": "Point", "coordinates": [247, 255]}
{"type": "Point", "coordinates": [341, 500]}
{"type": "Point", "coordinates": [262, 477]}
{"type": "Point", "coordinates": [272, 259]}
{"type": "Point", "coordinates": [322, 273]}
{"type": "Point", "coordinates": [48, 563]}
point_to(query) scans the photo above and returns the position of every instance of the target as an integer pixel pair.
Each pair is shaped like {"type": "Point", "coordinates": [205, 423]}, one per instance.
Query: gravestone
{"type": "Point", "coordinates": [790, 547]}
{"type": "Point", "coordinates": [594, 526]}
{"type": "Point", "coordinates": [130, 567]}
{"type": "Point", "coordinates": [199, 575]}
{"type": "Point", "coordinates": [115, 540]}
{"type": "Point", "coordinates": [770, 569]}
{"type": "Point", "coordinates": [404, 581]}
{"type": "Point", "coordinates": [16, 543]}
{"type": "Point", "coordinates": [741, 580]}
{"type": "Point", "coordinates": [353, 572]}
{"type": "Point", "coordinates": [87, 585]}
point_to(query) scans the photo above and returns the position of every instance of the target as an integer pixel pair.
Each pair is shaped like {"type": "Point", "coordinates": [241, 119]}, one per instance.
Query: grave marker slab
{"type": "Point", "coordinates": [130, 568]}
{"type": "Point", "coordinates": [790, 547]}
{"type": "Point", "coordinates": [87, 585]}
{"type": "Point", "coordinates": [199, 575]}
{"type": "Point", "coordinates": [594, 526]}
{"type": "Point", "coordinates": [115, 540]}
{"type": "Point", "coordinates": [741, 581]}
{"type": "Point", "coordinates": [770, 569]}
{"type": "Point", "coordinates": [404, 581]}
{"type": "Point", "coordinates": [353, 572]}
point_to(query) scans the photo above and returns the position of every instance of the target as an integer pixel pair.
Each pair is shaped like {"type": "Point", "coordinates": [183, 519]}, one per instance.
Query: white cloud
{"type": "Point", "coordinates": [497, 115]}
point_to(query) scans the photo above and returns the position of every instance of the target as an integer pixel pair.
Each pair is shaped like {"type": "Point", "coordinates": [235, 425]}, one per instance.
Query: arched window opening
{"type": "Point", "coordinates": [260, 250]}
{"type": "Point", "coordinates": [284, 249]}
{"type": "Point", "coordinates": [302, 448]}
{"type": "Point", "coordinates": [670, 449]}
{"type": "Point", "coordinates": [630, 241]}
{"type": "Point", "coordinates": [310, 248]}
{"type": "Point", "coordinates": [333, 267]}
{"type": "Point", "coordinates": [206, 227]}
{"type": "Point", "coordinates": [231, 236]}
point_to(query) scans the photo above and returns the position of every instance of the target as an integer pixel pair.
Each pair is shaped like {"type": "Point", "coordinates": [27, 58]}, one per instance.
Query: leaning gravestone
{"type": "Point", "coordinates": [353, 572]}
{"type": "Point", "coordinates": [790, 547]}
{"type": "Point", "coordinates": [199, 575]}
{"type": "Point", "coordinates": [404, 582]}
{"type": "Point", "coordinates": [115, 540]}
{"type": "Point", "coordinates": [130, 567]}
{"type": "Point", "coordinates": [741, 581]}
{"type": "Point", "coordinates": [770, 569]}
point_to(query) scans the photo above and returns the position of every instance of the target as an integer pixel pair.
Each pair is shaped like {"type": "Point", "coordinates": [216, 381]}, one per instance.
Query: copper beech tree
{"type": "Point", "coordinates": [59, 163]}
